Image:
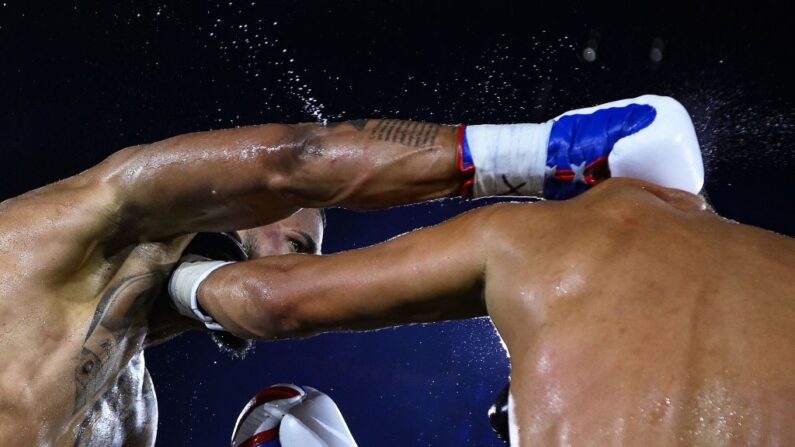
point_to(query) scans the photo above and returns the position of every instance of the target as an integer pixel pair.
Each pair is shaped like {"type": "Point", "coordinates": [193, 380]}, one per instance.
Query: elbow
{"type": "Point", "coordinates": [274, 308]}
{"type": "Point", "coordinates": [311, 173]}
{"type": "Point", "coordinates": [122, 169]}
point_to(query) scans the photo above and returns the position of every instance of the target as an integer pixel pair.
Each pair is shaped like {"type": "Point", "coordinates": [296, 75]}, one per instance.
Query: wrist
{"type": "Point", "coordinates": [183, 289]}
{"type": "Point", "coordinates": [504, 159]}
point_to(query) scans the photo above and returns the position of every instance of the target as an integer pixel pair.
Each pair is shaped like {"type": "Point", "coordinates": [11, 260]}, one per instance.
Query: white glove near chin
{"type": "Point", "coordinates": [184, 285]}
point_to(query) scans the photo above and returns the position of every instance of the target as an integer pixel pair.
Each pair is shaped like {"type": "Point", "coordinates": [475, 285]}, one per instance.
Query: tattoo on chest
{"type": "Point", "coordinates": [123, 413]}
{"type": "Point", "coordinates": [118, 327]}
{"type": "Point", "coordinates": [407, 133]}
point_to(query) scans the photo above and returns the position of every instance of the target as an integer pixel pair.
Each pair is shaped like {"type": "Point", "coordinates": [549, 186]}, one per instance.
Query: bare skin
{"type": "Point", "coordinates": [632, 315]}
{"type": "Point", "coordinates": [83, 261]}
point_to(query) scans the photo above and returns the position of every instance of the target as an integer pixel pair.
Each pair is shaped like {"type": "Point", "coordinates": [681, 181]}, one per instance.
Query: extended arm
{"type": "Point", "coordinates": [251, 176]}
{"type": "Point", "coordinates": [239, 178]}
{"type": "Point", "coordinates": [427, 275]}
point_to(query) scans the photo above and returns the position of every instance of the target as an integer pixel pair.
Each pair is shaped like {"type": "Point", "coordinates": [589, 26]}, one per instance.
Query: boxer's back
{"type": "Point", "coordinates": [645, 324]}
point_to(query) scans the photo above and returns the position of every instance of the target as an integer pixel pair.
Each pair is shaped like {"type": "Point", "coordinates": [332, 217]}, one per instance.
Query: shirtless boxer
{"type": "Point", "coordinates": [83, 262]}
{"type": "Point", "coordinates": [632, 315]}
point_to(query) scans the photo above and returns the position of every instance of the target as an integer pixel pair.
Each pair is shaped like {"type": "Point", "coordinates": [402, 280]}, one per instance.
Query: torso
{"type": "Point", "coordinates": [641, 324]}
{"type": "Point", "coordinates": [74, 316]}
{"type": "Point", "coordinates": [126, 414]}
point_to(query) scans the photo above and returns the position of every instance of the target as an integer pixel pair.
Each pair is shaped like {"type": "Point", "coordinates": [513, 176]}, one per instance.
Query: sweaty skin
{"type": "Point", "coordinates": [632, 315]}
{"type": "Point", "coordinates": [83, 261]}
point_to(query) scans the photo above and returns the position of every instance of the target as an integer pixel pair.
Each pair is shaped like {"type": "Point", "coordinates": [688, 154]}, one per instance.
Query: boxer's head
{"type": "Point", "coordinates": [300, 233]}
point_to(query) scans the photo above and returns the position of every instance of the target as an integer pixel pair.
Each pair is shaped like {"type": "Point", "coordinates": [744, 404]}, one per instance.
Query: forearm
{"type": "Point", "coordinates": [374, 164]}
{"type": "Point", "coordinates": [428, 275]}
{"type": "Point", "coordinates": [286, 313]}
{"type": "Point", "coordinates": [235, 298]}
{"type": "Point", "coordinates": [246, 177]}
{"type": "Point", "coordinates": [288, 297]}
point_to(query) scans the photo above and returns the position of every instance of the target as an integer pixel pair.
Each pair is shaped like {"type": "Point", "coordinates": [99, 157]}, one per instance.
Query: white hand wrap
{"type": "Point", "coordinates": [184, 284]}
{"type": "Point", "coordinates": [509, 157]}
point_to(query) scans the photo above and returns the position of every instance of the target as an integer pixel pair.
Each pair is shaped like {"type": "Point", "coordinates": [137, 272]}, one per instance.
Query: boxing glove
{"type": "Point", "coordinates": [648, 138]}
{"type": "Point", "coordinates": [287, 415]}
{"type": "Point", "coordinates": [206, 253]}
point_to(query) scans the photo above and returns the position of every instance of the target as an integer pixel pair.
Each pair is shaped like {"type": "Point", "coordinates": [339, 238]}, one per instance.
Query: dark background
{"type": "Point", "coordinates": [83, 79]}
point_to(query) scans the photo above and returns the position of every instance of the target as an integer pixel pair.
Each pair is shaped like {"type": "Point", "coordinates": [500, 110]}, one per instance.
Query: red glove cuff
{"type": "Point", "coordinates": [464, 163]}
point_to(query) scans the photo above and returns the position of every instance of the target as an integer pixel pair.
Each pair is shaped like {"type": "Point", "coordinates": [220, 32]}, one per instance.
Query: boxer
{"type": "Point", "coordinates": [632, 315]}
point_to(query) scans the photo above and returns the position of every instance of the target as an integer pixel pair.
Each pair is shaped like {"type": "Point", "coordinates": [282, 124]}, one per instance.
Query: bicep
{"type": "Point", "coordinates": [428, 275]}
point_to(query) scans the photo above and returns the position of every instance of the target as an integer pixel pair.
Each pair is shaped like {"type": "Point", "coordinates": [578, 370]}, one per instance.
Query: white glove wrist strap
{"type": "Point", "coordinates": [183, 288]}
{"type": "Point", "coordinates": [509, 159]}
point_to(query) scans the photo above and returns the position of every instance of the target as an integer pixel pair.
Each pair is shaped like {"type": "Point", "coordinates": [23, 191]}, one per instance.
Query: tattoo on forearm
{"type": "Point", "coordinates": [407, 133]}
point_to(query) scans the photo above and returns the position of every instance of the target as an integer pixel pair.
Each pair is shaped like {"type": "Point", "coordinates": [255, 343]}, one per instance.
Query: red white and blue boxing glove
{"type": "Point", "coordinates": [648, 138]}
{"type": "Point", "coordinates": [287, 415]}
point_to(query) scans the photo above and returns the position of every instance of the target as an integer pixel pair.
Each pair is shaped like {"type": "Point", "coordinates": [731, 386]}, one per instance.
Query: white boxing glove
{"type": "Point", "coordinates": [288, 415]}
{"type": "Point", "coordinates": [649, 138]}
{"type": "Point", "coordinates": [184, 284]}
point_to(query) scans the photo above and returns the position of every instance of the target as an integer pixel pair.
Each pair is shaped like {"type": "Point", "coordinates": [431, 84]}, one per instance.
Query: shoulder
{"type": "Point", "coordinates": [612, 209]}
{"type": "Point", "coordinates": [632, 195]}
{"type": "Point", "coordinates": [512, 219]}
{"type": "Point", "coordinates": [58, 226]}
{"type": "Point", "coordinates": [87, 197]}
{"type": "Point", "coordinates": [70, 211]}
{"type": "Point", "coordinates": [615, 199]}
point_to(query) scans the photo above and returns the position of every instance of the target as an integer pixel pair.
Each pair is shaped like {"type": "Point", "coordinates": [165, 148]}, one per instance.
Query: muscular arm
{"type": "Point", "coordinates": [432, 274]}
{"type": "Point", "coordinates": [427, 275]}
{"type": "Point", "coordinates": [238, 178]}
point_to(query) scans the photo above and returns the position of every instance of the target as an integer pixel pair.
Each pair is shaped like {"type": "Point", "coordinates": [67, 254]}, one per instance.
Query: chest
{"type": "Point", "coordinates": [126, 414]}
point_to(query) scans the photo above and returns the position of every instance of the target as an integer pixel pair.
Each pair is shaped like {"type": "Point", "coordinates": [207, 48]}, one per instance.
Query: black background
{"type": "Point", "coordinates": [83, 79]}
